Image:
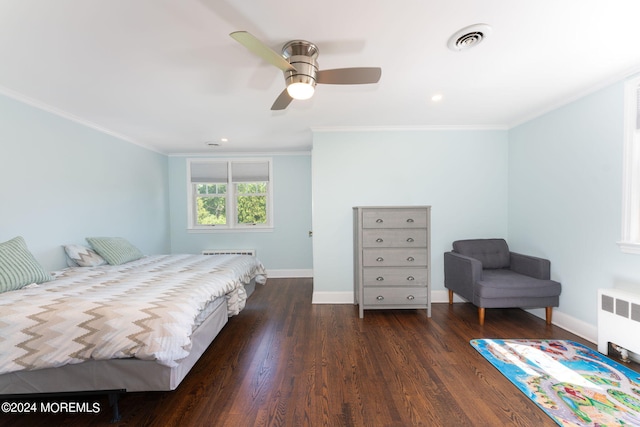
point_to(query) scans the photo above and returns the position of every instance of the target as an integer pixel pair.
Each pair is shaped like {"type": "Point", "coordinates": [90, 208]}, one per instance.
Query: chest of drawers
{"type": "Point", "coordinates": [391, 257]}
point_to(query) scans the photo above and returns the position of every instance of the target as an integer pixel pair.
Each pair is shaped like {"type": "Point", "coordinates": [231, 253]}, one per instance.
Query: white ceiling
{"type": "Point", "coordinates": [166, 75]}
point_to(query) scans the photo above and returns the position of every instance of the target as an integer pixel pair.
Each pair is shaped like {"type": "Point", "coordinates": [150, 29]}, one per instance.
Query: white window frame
{"type": "Point", "coordinates": [630, 242]}
{"type": "Point", "coordinates": [231, 198]}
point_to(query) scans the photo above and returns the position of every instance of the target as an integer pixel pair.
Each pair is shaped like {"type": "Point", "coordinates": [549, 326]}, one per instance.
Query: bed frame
{"type": "Point", "coordinates": [116, 376]}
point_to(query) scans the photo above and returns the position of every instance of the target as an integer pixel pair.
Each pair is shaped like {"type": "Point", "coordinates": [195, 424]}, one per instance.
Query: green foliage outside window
{"type": "Point", "coordinates": [212, 205]}
{"type": "Point", "coordinates": [212, 210]}
{"type": "Point", "coordinates": [211, 188]}
{"type": "Point", "coordinates": [251, 203]}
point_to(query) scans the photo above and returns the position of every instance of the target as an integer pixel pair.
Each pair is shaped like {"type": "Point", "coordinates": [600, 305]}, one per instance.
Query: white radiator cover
{"type": "Point", "coordinates": [618, 320]}
{"type": "Point", "coordinates": [251, 252]}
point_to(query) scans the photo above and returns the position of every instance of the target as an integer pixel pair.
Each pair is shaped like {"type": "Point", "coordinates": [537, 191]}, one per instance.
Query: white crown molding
{"type": "Point", "coordinates": [66, 115]}
{"type": "Point", "coordinates": [566, 101]}
{"type": "Point", "coordinates": [321, 129]}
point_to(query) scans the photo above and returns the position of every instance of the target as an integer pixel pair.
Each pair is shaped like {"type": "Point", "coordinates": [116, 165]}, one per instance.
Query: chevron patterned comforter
{"type": "Point", "coordinates": [145, 309]}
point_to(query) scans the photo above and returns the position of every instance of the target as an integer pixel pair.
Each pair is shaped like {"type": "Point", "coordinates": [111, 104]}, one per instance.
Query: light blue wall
{"type": "Point", "coordinates": [287, 247]}
{"type": "Point", "coordinates": [462, 174]}
{"type": "Point", "coordinates": [565, 198]}
{"type": "Point", "coordinates": [552, 186]}
{"type": "Point", "coordinates": [61, 182]}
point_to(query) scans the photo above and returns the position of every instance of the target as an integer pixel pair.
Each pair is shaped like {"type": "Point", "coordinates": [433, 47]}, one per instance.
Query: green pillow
{"type": "Point", "coordinates": [115, 250]}
{"type": "Point", "coordinates": [18, 266]}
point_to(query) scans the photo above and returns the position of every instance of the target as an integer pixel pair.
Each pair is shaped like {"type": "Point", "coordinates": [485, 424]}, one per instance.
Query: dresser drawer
{"type": "Point", "coordinates": [394, 218]}
{"type": "Point", "coordinates": [394, 238]}
{"type": "Point", "coordinates": [394, 257]}
{"type": "Point", "coordinates": [395, 296]}
{"type": "Point", "coordinates": [395, 276]}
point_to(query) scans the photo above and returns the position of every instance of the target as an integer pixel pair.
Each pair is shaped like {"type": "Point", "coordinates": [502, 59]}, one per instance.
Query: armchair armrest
{"type": "Point", "coordinates": [460, 274]}
{"type": "Point", "coordinates": [539, 268]}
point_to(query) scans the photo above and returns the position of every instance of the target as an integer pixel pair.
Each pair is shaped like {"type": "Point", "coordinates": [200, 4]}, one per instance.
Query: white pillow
{"type": "Point", "coordinates": [83, 256]}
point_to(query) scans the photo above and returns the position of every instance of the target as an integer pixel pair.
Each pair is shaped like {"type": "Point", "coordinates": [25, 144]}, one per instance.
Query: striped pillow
{"type": "Point", "coordinates": [18, 266]}
{"type": "Point", "coordinates": [115, 250]}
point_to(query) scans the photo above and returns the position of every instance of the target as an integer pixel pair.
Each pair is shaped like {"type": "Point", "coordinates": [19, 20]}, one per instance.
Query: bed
{"type": "Point", "coordinates": [137, 326]}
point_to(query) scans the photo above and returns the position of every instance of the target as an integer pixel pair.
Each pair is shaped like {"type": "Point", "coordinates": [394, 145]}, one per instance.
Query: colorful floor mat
{"type": "Point", "coordinates": [574, 385]}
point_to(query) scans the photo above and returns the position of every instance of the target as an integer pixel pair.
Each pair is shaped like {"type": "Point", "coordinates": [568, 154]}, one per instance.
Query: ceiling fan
{"type": "Point", "coordinates": [301, 73]}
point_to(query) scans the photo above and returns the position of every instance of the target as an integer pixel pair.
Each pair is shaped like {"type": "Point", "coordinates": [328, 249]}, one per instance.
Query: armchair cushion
{"type": "Point", "coordinates": [492, 253]}
{"type": "Point", "coordinates": [509, 284]}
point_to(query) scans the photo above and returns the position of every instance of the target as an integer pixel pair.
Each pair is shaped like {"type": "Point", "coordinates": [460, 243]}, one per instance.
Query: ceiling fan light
{"type": "Point", "coordinates": [300, 90]}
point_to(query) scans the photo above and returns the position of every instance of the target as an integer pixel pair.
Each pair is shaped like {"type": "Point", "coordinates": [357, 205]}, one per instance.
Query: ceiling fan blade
{"type": "Point", "coordinates": [263, 51]}
{"type": "Point", "coordinates": [349, 76]}
{"type": "Point", "coordinates": [283, 101]}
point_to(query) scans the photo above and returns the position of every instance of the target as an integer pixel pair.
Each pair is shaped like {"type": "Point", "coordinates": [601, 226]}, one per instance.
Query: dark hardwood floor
{"type": "Point", "coordinates": [286, 362]}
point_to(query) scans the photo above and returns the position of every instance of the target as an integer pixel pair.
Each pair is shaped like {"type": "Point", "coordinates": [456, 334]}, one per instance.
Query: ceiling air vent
{"type": "Point", "coordinates": [468, 37]}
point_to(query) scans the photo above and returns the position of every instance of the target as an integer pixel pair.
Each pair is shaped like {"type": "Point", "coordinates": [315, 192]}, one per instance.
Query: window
{"type": "Point", "coordinates": [631, 169]}
{"type": "Point", "coordinates": [229, 194]}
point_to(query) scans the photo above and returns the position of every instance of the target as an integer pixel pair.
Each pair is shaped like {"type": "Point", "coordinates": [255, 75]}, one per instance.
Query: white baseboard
{"type": "Point", "coordinates": [332, 298]}
{"type": "Point", "coordinates": [284, 274]}
{"type": "Point", "coordinates": [569, 323]}
{"type": "Point", "coordinates": [576, 326]}
{"type": "Point", "coordinates": [442, 295]}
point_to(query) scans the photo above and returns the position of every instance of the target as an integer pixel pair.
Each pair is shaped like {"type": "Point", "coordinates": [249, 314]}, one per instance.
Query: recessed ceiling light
{"type": "Point", "coordinates": [437, 97]}
{"type": "Point", "coordinates": [224, 139]}
{"type": "Point", "coordinates": [468, 37]}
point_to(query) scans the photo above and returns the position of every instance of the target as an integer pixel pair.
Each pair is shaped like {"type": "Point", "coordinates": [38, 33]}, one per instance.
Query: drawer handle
{"type": "Point", "coordinates": [379, 240]}
{"type": "Point", "coordinates": [379, 278]}
{"type": "Point", "coordinates": [410, 240]}
{"type": "Point", "coordinates": [410, 220]}
{"type": "Point", "coordinates": [411, 278]}
{"type": "Point", "coordinates": [379, 297]}
{"type": "Point", "coordinates": [379, 259]}
{"type": "Point", "coordinates": [410, 259]}
{"type": "Point", "coordinates": [411, 297]}
{"type": "Point", "coordinates": [379, 221]}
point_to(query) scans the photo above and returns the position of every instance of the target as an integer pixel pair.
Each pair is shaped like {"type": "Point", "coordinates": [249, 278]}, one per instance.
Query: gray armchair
{"type": "Point", "coordinates": [485, 273]}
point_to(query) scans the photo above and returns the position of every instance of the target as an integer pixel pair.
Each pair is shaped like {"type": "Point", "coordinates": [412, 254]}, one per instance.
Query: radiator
{"type": "Point", "coordinates": [618, 320]}
{"type": "Point", "coordinates": [251, 252]}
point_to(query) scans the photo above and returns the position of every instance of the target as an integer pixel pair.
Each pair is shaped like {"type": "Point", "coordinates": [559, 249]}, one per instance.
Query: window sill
{"type": "Point", "coordinates": [630, 247]}
{"type": "Point", "coordinates": [214, 230]}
